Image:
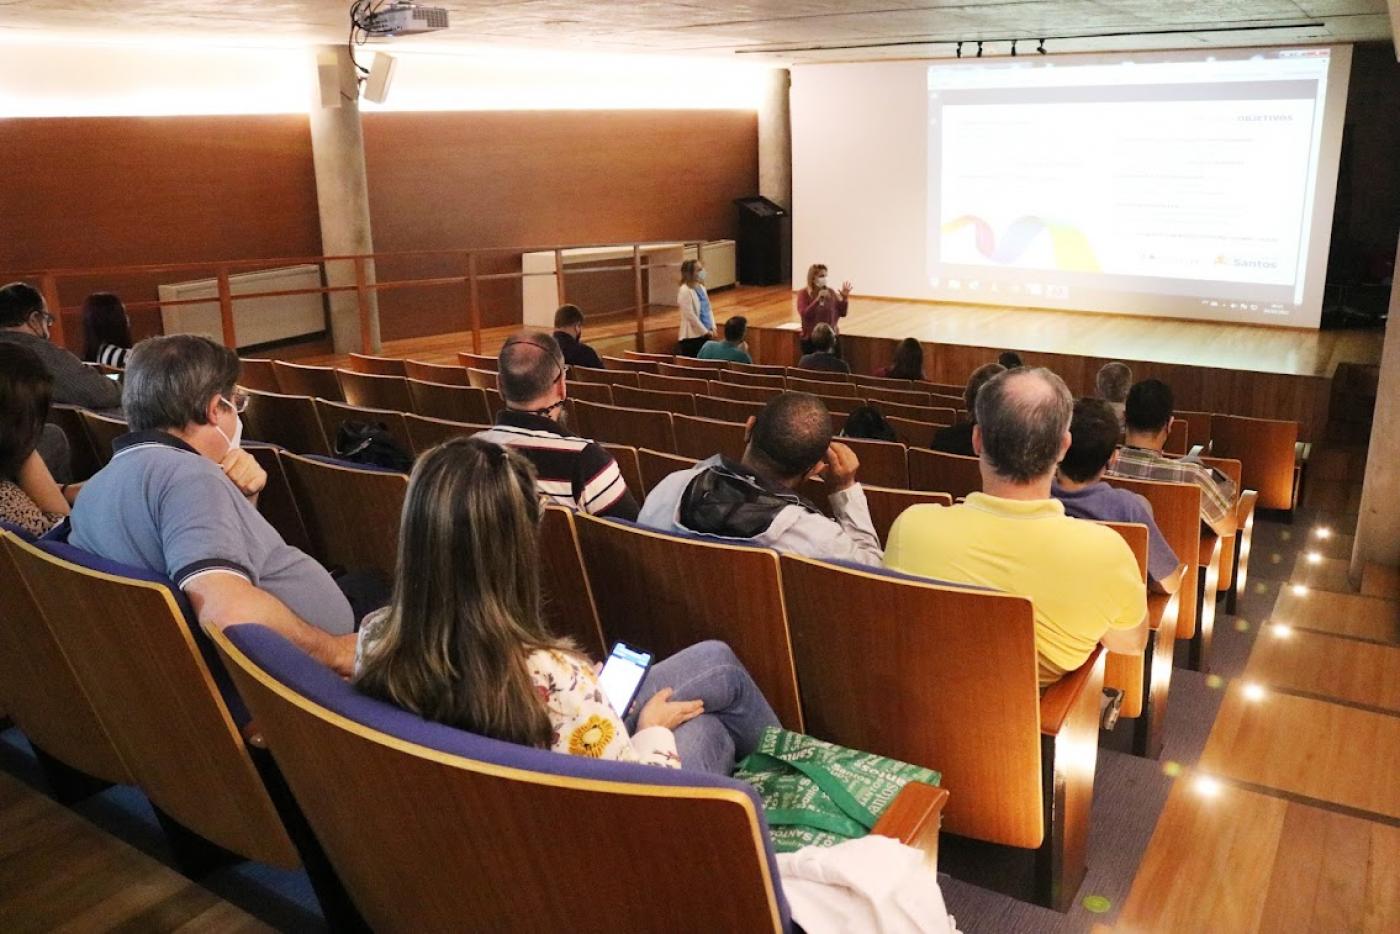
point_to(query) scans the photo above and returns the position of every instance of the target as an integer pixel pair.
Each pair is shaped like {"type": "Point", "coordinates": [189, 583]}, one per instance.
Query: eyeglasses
{"type": "Point", "coordinates": [238, 401]}
{"type": "Point", "coordinates": [46, 318]}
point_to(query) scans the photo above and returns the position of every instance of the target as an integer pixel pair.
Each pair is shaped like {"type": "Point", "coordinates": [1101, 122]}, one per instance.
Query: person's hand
{"type": "Point", "coordinates": [338, 654]}
{"type": "Point", "coordinates": [824, 296]}
{"type": "Point", "coordinates": [845, 289]}
{"type": "Point", "coordinates": [660, 710]}
{"type": "Point", "coordinates": [839, 466]}
{"type": "Point", "coordinates": [245, 472]}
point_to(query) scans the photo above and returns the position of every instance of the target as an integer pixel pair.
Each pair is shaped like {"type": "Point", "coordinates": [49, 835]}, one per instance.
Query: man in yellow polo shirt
{"type": "Point", "coordinates": [1081, 576]}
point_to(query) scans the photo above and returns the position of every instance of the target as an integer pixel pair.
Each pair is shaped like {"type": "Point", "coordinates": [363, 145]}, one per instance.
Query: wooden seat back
{"type": "Point", "coordinates": [1178, 438]}
{"type": "Point", "coordinates": [944, 473]}
{"type": "Point", "coordinates": [641, 428]}
{"type": "Point", "coordinates": [738, 393]}
{"type": "Point", "coordinates": [39, 688]}
{"type": "Point", "coordinates": [333, 414]}
{"type": "Point", "coordinates": [661, 593]}
{"type": "Point", "coordinates": [289, 422]}
{"type": "Point", "coordinates": [1197, 426]}
{"type": "Point", "coordinates": [937, 414]}
{"type": "Point", "coordinates": [899, 396]}
{"type": "Point", "coordinates": [391, 814]}
{"type": "Point", "coordinates": [726, 410]}
{"type": "Point", "coordinates": [136, 659]}
{"type": "Point", "coordinates": [886, 504]}
{"type": "Point", "coordinates": [479, 361]}
{"type": "Point", "coordinates": [254, 373]}
{"type": "Point", "coordinates": [844, 405]}
{"type": "Point", "coordinates": [425, 432]}
{"type": "Point", "coordinates": [568, 606]}
{"type": "Point", "coordinates": [942, 389]}
{"type": "Point", "coordinates": [1128, 673]}
{"type": "Point", "coordinates": [759, 368]}
{"type": "Point", "coordinates": [658, 465]}
{"type": "Point", "coordinates": [102, 431]}
{"type": "Point", "coordinates": [299, 379]}
{"type": "Point", "coordinates": [959, 666]}
{"type": "Point", "coordinates": [592, 392]}
{"type": "Point", "coordinates": [823, 376]}
{"type": "Point", "coordinates": [883, 463]}
{"type": "Point", "coordinates": [1176, 508]}
{"type": "Point", "coordinates": [83, 461]}
{"type": "Point", "coordinates": [351, 514]}
{"type": "Point", "coordinates": [367, 391]}
{"type": "Point", "coordinates": [699, 438]}
{"type": "Point", "coordinates": [694, 385]}
{"type": "Point", "coordinates": [678, 403]}
{"type": "Point", "coordinates": [443, 374]}
{"type": "Point", "coordinates": [1265, 448]}
{"type": "Point", "coordinates": [588, 374]}
{"type": "Point", "coordinates": [277, 503]}
{"type": "Point", "coordinates": [445, 401]}
{"type": "Point", "coordinates": [377, 366]}
{"type": "Point", "coordinates": [883, 382]}
{"type": "Point", "coordinates": [627, 363]}
{"type": "Point", "coordinates": [1234, 470]}
{"type": "Point", "coordinates": [692, 366]}
{"type": "Point", "coordinates": [821, 387]}
{"type": "Point", "coordinates": [745, 378]}
{"type": "Point", "coordinates": [482, 379]}
{"type": "Point", "coordinates": [629, 467]}
{"type": "Point", "coordinates": [913, 433]}
{"type": "Point", "coordinates": [653, 357]}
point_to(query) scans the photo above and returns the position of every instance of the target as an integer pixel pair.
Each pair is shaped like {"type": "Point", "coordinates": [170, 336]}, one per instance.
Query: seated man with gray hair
{"type": "Point", "coordinates": [178, 498]}
{"type": "Point", "coordinates": [1081, 576]}
{"type": "Point", "coordinates": [1112, 384]}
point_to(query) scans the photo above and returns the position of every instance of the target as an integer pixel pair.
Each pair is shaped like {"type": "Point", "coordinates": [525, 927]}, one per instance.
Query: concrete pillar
{"type": "Point", "coordinates": [1378, 526]}
{"type": "Point", "coordinates": [775, 140]}
{"type": "Point", "coordinates": [342, 192]}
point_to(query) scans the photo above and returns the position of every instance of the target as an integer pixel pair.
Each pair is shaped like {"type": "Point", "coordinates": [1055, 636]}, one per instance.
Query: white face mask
{"type": "Point", "coordinates": [820, 282]}
{"type": "Point", "coordinates": [700, 276]}
{"type": "Point", "coordinates": [237, 439]}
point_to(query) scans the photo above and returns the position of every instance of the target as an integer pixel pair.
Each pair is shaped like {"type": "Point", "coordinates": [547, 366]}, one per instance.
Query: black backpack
{"type": "Point", "coordinates": [370, 444]}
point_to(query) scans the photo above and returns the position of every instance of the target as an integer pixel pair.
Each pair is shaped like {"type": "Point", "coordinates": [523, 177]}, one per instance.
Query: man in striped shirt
{"type": "Point", "coordinates": [573, 471]}
{"type": "Point", "coordinates": [1148, 418]}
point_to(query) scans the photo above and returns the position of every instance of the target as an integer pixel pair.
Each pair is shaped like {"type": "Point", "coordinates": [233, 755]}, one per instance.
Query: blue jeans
{"type": "Point", "coordinates": [736, 712]}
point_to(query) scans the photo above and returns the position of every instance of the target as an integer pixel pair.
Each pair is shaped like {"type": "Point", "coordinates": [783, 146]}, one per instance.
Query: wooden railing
{"type": "Point", "coordinates": [49, 280]}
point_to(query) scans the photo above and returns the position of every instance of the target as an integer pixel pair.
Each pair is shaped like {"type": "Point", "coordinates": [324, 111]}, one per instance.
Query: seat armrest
{"type": "Point", "coordinates": [914, 818]}
{"type": "Point", "coordinates": [1244, 509]}
{"type": "Point", "coordinates": [1059, 698]}
{"type": "Point", "coordinates": [1157, 604]}
{"type": "Point", "coordinates": [252, 735]}
{"type": "Point", "coordinates": [1208, 555]}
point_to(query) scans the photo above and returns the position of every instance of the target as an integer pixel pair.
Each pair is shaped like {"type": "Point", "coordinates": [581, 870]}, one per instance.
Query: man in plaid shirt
{"type": "Point", "coordinates": [1148, 418]}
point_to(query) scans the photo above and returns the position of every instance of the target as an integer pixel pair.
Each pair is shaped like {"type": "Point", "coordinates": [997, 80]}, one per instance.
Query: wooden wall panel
{"type": "Point", "coordinates": [85, 192]}
{"type": "Point", "coordinates": [538, 177]}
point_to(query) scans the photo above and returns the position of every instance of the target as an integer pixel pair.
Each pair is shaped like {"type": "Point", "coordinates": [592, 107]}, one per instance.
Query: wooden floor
{"type": "Point", "coordinates": [60, 873]}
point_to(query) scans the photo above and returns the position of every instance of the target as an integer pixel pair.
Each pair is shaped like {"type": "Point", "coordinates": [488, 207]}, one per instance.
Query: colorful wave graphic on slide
{"type": "Point", "coordinates": [1071, 247]}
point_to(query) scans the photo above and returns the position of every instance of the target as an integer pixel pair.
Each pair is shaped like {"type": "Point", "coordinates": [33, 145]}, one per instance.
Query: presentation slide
{"type": "Point", "coordinates": [1190, 184]}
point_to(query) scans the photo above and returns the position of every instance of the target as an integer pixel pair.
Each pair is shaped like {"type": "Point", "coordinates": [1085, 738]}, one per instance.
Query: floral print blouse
{"type": "Point", "coordinates": [583, 722]}
{"type": "Point", "coordinates": [18, 509]}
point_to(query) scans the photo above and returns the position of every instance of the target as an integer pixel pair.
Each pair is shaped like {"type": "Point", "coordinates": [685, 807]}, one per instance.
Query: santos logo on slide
{"type": "Point", "coordinates": [1018, 244]}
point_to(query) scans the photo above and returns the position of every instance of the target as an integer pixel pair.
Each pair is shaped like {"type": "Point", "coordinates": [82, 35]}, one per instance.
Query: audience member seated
{"type": "Point", "coordinates": [568, 332]}
{"type": "Point", "coordinates": [573, 471]}
{"type": "Point", "coordinates": [957, 439]}
{"type": "Point", "coordinates": [818, 304]}
{"type": "Point", "coordinates": [823, 353]}
{"type": "Point", "coordinates": [734, 347]}
{"type": "Point", "coordinates": [106, 330]}
{"type": "Point", "coordinates": [1010, 359]}
{"type": "Point", "coordinates": [1148, 417]}
{"type": "Point", "coordinates": [755, 501]}
{"type": "Point", "coordinates": [463, 642]}
{"type": "Point", "coordinates": [24, 320]}
{"type": "Point", "coordinates": [867, 421]}
{"type": "Point", "coordinates": [697, 317]}
{"type": "Point", "coordinates": [1112, 384]}
{"type": "Point", "coordinates": [1080, 486]}
{"type": "Point", "coordinates": [29, 497]}
{"type": "Point", "coordinates": [908, 361]}
{"type": "Point", "coordinates": [1012, 536]}
{"type": "Point", "coordinates": [178, 499]}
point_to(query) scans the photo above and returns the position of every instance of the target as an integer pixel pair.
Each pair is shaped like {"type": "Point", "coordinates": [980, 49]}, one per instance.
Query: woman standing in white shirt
{"type": "Point", "coordinates": [697, 319]}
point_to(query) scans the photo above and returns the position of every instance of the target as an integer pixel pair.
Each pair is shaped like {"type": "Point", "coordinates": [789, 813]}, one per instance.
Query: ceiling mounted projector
{"type": "Point", "coordinates": [403, 19]}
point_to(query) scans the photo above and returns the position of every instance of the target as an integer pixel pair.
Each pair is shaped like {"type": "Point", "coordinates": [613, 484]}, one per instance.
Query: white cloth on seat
{"type": "Point", "coordinates": [869, 884]}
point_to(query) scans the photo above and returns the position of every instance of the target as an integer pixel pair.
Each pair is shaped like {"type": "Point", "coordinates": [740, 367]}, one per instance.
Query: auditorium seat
{"type": "Point", "coordinates": [883, 463]}
{"type": "Point", "coordinates": [944, 473]}
{"type": "Point", "coordinates": [351, 513]}
{"type": "Point", "coordinates": [436, 373]}
{"type": "Point", "coordinates": [481, 379]}
{"type": "Point", "coordinates": [298, 379]}
{"type": "Point", "coordinates": [901, 396]}
{"type": "Point", "coordinates": [726, 410]}
{"type": "Point", "coordinates": [628, 466]}
{"type": "Point", "coordinates": [289, 422]}
{"type": "Point", "coordinates": [334, 414]}
{"type": "Point", "coordinates": [709, 369]}
{"type": "Point", "coordinates": [588, 374]}
{"type": "Point", "coordinates": [881, 382]}
{"type": "Point", "coordinates": [743, 378]}
{"type": "Point", "coordinates": [256, 373]}
{"type": "Point", "coordinates": [842, 404]}
{"type": "Point", "coordinates": [83, 461]}
{"type": "Point", "coordinates": [819, 376]}
{"type": "Point", "coordinates": [44, 697]}
{"type": "Point", "coordinates": [739, 393]}
{"type": "Point", "coordinates": [1197, 426]}
{"type": "Point", "coordinates": [640, 428]}
{"type": "Point", "coordinates": [1018, 765]}
{"type": "Point", "coordinates": [627, 363]}
{"type": "Point", "coordinates": [367, 774]}
{"type": "Point", "coordinates": [478, 361]}
{"type": "Point", "coordinates": [592, 392]}
{"type": "Point", "coordinates": [425, 432]}
{"type": "Point", "coordinates": [377, 366]}
{"type": "Point", "coordinates": [658, 465]}
{"type": "Point", "coordinates": [653, 357]}
{"type": "Point", "coordinates": [759, 369]}
{"type": "Point", "coordinates": [102, 430]}
{"type": "Point", "coordinates": [367, 391]}
{"type": "Point", "coordinates": [1178, 438]}
{"type": "Point", "coordinates": [453, 403]}
{"type": "Point", "coordinates": [656, 383]}
{"type": "Point", "coordinates": [820, 387]}
{"type": "Point", "coordinates": [665, 592]}
{"type": "Point", "coordinates": [567, 606]}
{"type": "Point", "coordinates": [679, 403]}
{"type": "Point", "coordinates": [1244, 539]}
{"type": "Point", "coordinates": [936, 414]}
{"type": "Point", "coordinates": [277, 503]}
{"type": "Point", "coordinates": [701, 438]}
{"type": "Point", "coordinates": [1265, 448]}
{"type": "Point", "coordinates": [913, 433]}
{"type": "Point", "coordinates": [942, 389]}
{"type": "Point", "coordinates": [947, 400]}
{"type": "Point", "coordinates": [886, 504]}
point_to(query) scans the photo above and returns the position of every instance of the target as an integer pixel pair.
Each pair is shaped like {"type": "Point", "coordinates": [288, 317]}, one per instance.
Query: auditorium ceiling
{"type": "Point", "coordinates": [757, 30]}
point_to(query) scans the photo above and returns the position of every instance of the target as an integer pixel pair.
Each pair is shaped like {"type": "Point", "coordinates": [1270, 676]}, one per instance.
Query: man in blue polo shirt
{"type": "Point", "coordinates": [178, 498]}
